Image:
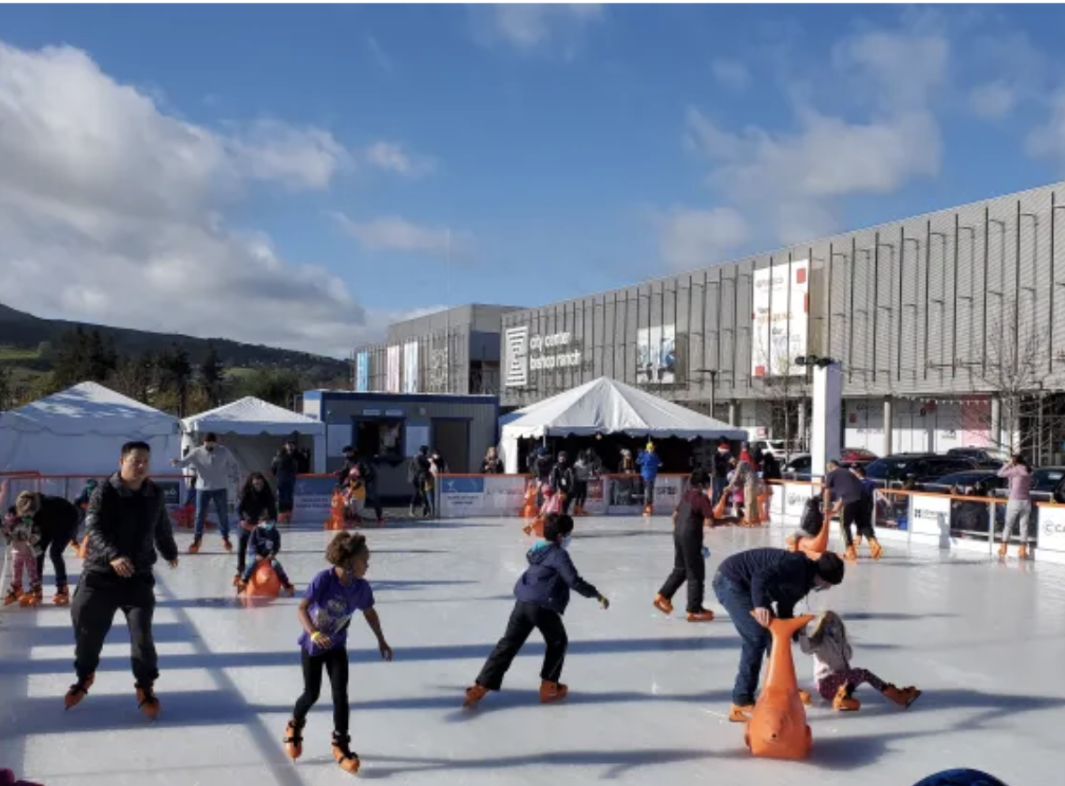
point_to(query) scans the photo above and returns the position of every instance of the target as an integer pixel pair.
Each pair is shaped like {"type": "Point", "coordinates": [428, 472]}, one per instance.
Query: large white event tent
{"type": "Point", "coordinates": [254, 430]}
{"type": "Point", "coordinates": [606, 406]}
{"type": "Point", "coordinates": [81, 430]}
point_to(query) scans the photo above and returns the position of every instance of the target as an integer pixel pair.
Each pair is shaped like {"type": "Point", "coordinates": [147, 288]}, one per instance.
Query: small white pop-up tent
{"type": "Point", "coordinates": [81, 430]}
{"type": "Point", "coordinates": [606, 406]}
{"type": "Point", "coordinates": [254, 429]}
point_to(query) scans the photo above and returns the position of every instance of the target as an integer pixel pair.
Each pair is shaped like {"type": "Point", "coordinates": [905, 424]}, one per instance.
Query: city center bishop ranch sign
{"type": "Point", "coordinates": [524, 353]}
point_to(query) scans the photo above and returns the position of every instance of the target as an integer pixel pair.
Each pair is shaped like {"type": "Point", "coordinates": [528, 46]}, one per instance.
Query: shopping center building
{"type": "Point", "coordinates": [944, 327]}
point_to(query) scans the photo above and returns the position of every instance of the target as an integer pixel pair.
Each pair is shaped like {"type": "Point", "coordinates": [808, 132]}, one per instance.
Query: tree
{"type": "Point", "coordinates": [278, 386]}
{"type": "Point", "coordinates": [6, 388]}
{"type": "Point", "coordinates": [133, 377]}
{"type": "Point", "coordinates": [174, 373]}
{"type": "Point", "coordinates": [83, 357]}
{"type": "Point", "coordinates": [786, 388]}
{"type": "Point", "coordinates": [212, 376]}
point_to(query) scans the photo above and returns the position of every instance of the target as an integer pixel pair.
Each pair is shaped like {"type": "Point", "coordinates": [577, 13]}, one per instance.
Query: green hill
{"type": "Point", "coordinates": [26, 342]}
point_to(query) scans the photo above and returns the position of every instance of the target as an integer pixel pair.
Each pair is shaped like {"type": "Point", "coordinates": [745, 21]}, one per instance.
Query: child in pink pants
{"type": "Point", "coordinates": [21, 539]}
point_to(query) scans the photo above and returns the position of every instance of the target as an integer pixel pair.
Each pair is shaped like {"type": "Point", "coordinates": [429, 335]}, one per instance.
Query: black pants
{"type": "Point", "coordinates": [866, 528]}
{"type": "Point", "coordinates": [335, 661]}
{"type": "Point", "coordinates": [852, 515]}
{"type": "Point", "coordinates": [93, 609]}
{"type": "Point", "coordinates": [688, 565]}
{"type": "Point", "coordinates": [580, 492]}
{"type": "Point", "coordinates": [242, 549]}
{"type": "Point", "coordinates": [372, 500]}
{"type": "Point", "coordinates": [567, 500]}
{"type": "Point", "coordinates": [55, 540]}
{"type": "Point", "coordinates": [524, 618]}
{"type": "Point", "coordinates": [420, 497]}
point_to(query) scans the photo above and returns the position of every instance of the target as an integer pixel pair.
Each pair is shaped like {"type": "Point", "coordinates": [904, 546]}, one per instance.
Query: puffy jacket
{"type": "Point", "coordinates": [550, 577]}
{"type": "Point", "coordinates": [124, 523]}
{"type": "Point", "coordinates": [649, 464]}
{"type": "Point", "coordinates": [257, 505]}
{"type": "Point", "coordinates": [264, 542]}
{"type": "Point", "coordinates": [562, 478]}
{"type": "Point", "coordinates": [772, 575]}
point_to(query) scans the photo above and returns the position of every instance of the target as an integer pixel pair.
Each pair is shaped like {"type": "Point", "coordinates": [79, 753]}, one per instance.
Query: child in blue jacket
{"type": "Point", "coordinates": [649, 464]}
{"type": "Point", "coordinates": [542, 595]}
{"type": "Point", "coordinates": [265, 542]}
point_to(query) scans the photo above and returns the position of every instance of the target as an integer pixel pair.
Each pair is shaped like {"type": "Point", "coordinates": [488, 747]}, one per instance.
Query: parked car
{"type": "Point", "coordinates": [969, 478]}
{"type": "Point", "coordinates": [851, 457]}
{"type": "Point", "coordinates": [779, 448]}
{"type": "Point", "coordinates": [984, 457]}
{"type": "Point", "coordinates": [1047, 479]}
{"type": "Point", "coordinates": [920, 467]}
{"type": "Point", "coordinates": [798, 468]}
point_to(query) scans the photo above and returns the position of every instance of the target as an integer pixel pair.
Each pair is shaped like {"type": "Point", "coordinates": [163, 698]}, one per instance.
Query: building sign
{"type": "Point", "coordinates": [656, 356]}
{"type": "Point", "coordinates": [362, 372]}
{"type": "Point", "coordinates": [780, 314]}
{"type": "Point", "coordinates": [522, 354]}
{"type": "Point", "coordinates": [1051, 528]}
{"type": "Point", "coordinates": [516, 357]}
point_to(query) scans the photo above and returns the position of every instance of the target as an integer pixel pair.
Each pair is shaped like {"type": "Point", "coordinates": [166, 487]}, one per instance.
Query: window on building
{"type": "Point", "coordinates": [381, 438]}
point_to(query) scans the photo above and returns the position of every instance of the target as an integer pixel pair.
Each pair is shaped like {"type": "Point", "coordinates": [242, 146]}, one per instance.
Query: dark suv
{"type": "Point", "coordinates": [986, 458]}
{"type": "Point", "coordinates": [921, 467]}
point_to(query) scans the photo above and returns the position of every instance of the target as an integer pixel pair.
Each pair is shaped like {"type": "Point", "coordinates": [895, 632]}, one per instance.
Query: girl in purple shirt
{"type": "Point", "coordinates": [325, 612]}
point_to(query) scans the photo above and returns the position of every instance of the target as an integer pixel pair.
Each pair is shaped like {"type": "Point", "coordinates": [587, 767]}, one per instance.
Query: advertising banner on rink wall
{"type": "Point", "coordinates": [461, 496]}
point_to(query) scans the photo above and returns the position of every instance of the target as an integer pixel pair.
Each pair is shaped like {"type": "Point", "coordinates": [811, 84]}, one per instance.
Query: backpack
{"type": "Point", "coordinates": [813, 516]}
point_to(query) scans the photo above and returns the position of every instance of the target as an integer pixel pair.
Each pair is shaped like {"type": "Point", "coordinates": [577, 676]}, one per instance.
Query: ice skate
{"type": "Point", "coordinates": [705, 615]}
{"type": "Point", "coordinates": [147, 701]}
{"type": "Point", "coordinates": [35, 597]}
{"type": "Point", "coordinates": [348, 761]}
{"type": "Point", "coordinates": [474, 694]}
{"type": "Point", "coordinates": [904, 697]}
{"type": "Point", "coordinates": [876, 548]}
{"type": "Point", "coordinates": [237, 579]}
{"type": "Point", "coordinates": [13, 595]}
{"type": "Point", "coordinates": [62, 596]}
{"type": "Point", "coordinates": [288, 589]}
{"type": "Point", "coordinates": [740, 714]}
{"type": "Point", "coordinates": [1003, 549]}
{"type": "Point", "coordinates": [552, 691]}
{"type": "Point", "coordinates": [647, 510]}
{"type": "Point", "coordinates": [242, 587]}
{"type": "Point", "coordinates": [844, 702]}
{"type": "Point", "coordinates": [293, 740]}
{"type": "Point", "coordinates": [663, 605]}
{"type": "Point", "coordinates": [850, 554]}
{"type": "Point", "coordinates": [805, 697]}
{"type": "Point", "coordinates": [227, 545]}
{"type": "Point", "coordinates": [1022, 552]}
{"type": "Point", "coordinates": [195, 547]}
{"type": "Point", "coordinates": [78, 691]}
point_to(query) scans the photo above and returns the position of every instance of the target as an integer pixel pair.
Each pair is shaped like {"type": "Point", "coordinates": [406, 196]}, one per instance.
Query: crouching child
{"type": "Point", "coordinates": [542, 594]}
{"type": "Point", "coordinates": [264, 543]}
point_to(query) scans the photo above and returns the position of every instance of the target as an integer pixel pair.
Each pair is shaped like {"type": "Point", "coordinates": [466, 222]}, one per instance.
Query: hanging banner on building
{"type": "Point", "coordinates": [410, 367]}
{"type": "Point", "coordinates": [516, 357]}
{"type": "Point", "coordinates": [780, 313]}
{"type": "Point", "coordinates": [656, 355]}
{"type": "Point", "coordinates": [362, 372]}
{"type": "Point", "coordinates": [392, 370]}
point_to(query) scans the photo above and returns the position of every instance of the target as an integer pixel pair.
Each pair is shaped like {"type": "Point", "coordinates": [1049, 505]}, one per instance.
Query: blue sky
{"type": "Point", "coordinates": [299, 165]}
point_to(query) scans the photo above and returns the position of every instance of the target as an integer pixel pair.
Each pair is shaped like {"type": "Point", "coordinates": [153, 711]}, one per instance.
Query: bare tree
{"type": "Point", "coordinates": [1013, 371]}
{"type": "Point", "coordinates": [786, 388]}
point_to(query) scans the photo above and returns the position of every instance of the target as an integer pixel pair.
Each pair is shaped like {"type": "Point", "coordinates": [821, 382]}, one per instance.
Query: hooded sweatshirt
{"type": "Point", "coordinates": [832, 654]}
{"type": "Point", "coordinates": [214, 469]}
{"type": "Point", "coordinates": [550, 577]}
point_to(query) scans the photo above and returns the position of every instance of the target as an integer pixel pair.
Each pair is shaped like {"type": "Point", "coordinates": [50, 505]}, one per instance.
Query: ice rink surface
{"type": "Point", "coordinates": [649, 695]}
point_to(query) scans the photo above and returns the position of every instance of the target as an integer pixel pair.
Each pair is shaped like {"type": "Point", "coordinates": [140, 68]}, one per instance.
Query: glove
{"type": "Point", "coordinates": [603, 602]}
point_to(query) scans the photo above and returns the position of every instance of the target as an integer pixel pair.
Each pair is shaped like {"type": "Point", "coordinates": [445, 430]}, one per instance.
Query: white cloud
{"type": "Point", "coordinates": [113, 211]}
{"type": "Point", "coordinates": [393, 157]}
{"type": "Point", "coordinates": [696, 238]}
{"type": "Point", "coordinates": [393, 233]}
{"type": "Point", "coordinates": [532, 26]}
{"type": "Point", "coordinates": [1047, 140]}
{"type": "Point", "coordinates": [731, 73]}
{"type": "Point", "coordinates": [790, 183]}
{"type": "Point", "coordinates": [992, 100]}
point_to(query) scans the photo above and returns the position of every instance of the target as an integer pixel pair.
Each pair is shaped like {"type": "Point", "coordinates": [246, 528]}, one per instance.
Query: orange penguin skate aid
{"type": "Point", "coordinates": [777, 728]}
{"type": "Point", "coordinates": [816, 546]}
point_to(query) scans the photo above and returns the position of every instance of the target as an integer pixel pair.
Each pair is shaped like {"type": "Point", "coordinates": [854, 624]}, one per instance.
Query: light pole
{"type": "Point", "coordinates": [713, 372]}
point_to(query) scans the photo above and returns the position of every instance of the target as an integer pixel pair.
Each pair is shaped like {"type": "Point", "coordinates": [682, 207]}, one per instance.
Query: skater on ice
{"type": "Point", "coordinates": [752, 581]}
{"type": "Point", "coordinates": [55, 521]}
{"type": "Point", "coordinates": [325, 613]}
{"type": "Point", "coordinates": [215, 469]}
{"type": "Point", "coordinates": [20, 555]}
{"type": "Point", "coordinates": [126, 523]}
{"type": "Point", "coordinates": [285, 468]}
{"type": "Point", "coordinates": [542, 594]}
{"type": "Point", "coordinates": [265, 543]}
{"type": "Point", "coordinates": [256, 504]}
{"type": "Point", "coordinates": [834, 677]}
{"type": "Point", "coordinates": [689, 562]}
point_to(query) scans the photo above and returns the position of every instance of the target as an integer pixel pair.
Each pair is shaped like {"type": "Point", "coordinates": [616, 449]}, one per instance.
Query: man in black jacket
{"type": "Point", "coordinates": [56, 519]}
{"type": "Point", "coordinates": [285, 468]}
{"type": "Point", "coordinates": [752, 581]}
{"type": "Point", "coordinates": [126, 522]}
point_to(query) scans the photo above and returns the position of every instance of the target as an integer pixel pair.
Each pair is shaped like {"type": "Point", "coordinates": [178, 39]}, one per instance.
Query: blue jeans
{"type": "Point", "coordinates": [253, 563]}
{"type": "Point", "coordinates": [738, 604]}
{"type": "Point", "coordinates": [221, 506]}
{"type": "Point", "coordinates": [286, 486]}
{"type": "Point", "coordinates": [719, 484]}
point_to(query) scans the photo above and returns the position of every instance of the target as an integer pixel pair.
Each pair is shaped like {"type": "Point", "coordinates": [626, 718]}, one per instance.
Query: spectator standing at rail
{"type": "Point", "coordinates": [1019, 506]}
{"type": "Point", "coordinates": [285, 468]}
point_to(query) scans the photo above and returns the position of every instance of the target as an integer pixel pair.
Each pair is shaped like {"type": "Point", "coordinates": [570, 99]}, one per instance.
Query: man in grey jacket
{"type": "Point", "coordinates": [215, 468]}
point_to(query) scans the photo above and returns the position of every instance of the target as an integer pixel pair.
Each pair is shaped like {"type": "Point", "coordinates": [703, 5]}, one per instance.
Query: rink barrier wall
{"type": "Point", "coordinates": [461, 496]}
{"type": "Point", "coordinates": [955, 523]}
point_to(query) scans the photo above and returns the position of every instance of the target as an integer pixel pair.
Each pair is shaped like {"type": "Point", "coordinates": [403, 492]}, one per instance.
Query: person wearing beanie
{"type": "Point", "coordinates": [689, 562]}
{"type": "Point", "coordinates": [748, 584]}
{"type": "Point", "coordinates": [649, 464]}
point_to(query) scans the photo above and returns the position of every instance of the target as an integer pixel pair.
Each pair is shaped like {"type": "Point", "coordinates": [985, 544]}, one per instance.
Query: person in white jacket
{"type": "Point", "coordinates": [216, 468]}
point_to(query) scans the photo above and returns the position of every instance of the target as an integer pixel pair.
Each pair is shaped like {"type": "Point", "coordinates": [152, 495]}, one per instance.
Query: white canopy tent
{"type": "Point", "coordinates": [606, 406]}
{"type": "Point", "coordinates": [80, 431]}
{"type": "Point", "coordinates": [254, 429]}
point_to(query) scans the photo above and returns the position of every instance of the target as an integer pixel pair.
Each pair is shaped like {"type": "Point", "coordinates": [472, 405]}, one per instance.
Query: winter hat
{"type": "Point", "coordinates": [830, 568]}
{"type": "Point", "coordinates": [27, 504]}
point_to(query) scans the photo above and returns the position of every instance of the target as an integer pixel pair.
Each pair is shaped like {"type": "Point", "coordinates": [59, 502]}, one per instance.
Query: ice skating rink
{"type": "Point", "coordinates": [649, 695]}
